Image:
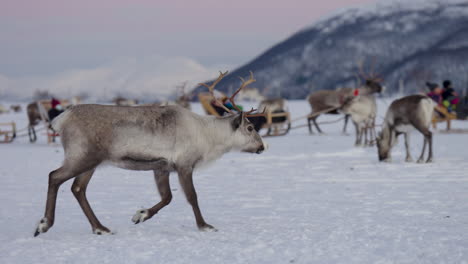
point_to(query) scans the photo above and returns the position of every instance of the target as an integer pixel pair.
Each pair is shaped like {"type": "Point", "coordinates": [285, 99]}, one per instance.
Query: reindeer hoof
{"type": "Point", "coordinates": [207, 228]}
{"type": "Point", "coordinates": [409, 159]}
{"type": "Point", "coordinates": [429, 160]}
{"type": "Point", "coordinates": [102, 231]}
{"type": "Point", "coordinates": [420, 161]}
{"type": "Point", "coordinates": [42, 227]}
{"type": "Point", "coordinates": [140, 216]}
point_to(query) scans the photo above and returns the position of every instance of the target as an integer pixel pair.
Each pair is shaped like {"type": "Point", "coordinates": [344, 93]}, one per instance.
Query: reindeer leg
{"type": "Point", "coordinates": [310, 125]}
{"type": "Point", "coordinates": [356, 127]}
{"type": "Point", "coordinates": [56, 178]}
{"type": "Point", "coordinates": [429, 139]}
{"type": "Point", "coordinates": [372, 133]}
{"type": "Point", "coordinates": [314, 119]}
{"type": "Point", "coordinates": [162, 181]}
{"type": "Point", "coordinates": [186, 181]}
{"type": "Point", "coordinates": [408, 154]}
{"type": "Point", "coordinates": [366, 131]}
{"type": "Point", "coordinates": [78, 189]}
{"type": "Point", "coordinates": [421, 158]}
{"type": "Point", "coordinates": [345, 124]}
{"type": "Point", "coordinates": [361, 134]}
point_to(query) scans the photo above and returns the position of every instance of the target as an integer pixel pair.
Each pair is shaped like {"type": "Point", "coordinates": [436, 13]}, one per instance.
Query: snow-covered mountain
{"type": "Point", "coordinates": [407, 43]}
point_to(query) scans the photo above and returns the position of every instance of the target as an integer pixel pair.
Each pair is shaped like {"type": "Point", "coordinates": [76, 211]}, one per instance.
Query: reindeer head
{"type": "Point", "coordinates": [374, 85]}
{"type": "Point", "coordinates": [373, 80]}
{"type": "Point", "coordinates": [385, 141]}
{"type": "Point", "coordinates": [245, 137]}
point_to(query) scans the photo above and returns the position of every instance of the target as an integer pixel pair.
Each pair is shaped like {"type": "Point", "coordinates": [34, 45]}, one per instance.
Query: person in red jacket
{"type": "Point", "coordinates": [56, 109]}
{"type": "Point", "coordinates": [435, 92]}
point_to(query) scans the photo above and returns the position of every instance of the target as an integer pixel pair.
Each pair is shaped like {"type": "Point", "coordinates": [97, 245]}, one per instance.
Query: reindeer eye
{"type": "Point", "coordinates": [250, 128]}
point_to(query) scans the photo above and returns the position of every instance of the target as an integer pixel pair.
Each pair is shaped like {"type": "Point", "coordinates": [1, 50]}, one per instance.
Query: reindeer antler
{"type": "Point", "coordinates": [243, 85]}
{"type": "Point", "coordinates": [372, 75]}
{"type": "Point", "coordinates": [249, 114]}
{"type": "Point", "coordinates": [211, 90]}
{"type": "Point", "coordinates": [231, 99]}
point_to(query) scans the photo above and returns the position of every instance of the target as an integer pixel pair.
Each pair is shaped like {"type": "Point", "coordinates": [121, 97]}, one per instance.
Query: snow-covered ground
{"type": "Point", "coordinates": [308, 199]}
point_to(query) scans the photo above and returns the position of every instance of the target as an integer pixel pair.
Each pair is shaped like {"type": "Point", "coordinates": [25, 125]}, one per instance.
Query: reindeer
{"type": "Point", "coordinates": [404, 115]}
{"type": "Point", "coordinates": [161, 139]}
{"type": "Point", "coordinates": [362, 109]}
{"type": "Point", "coordinates": [184, 98]}
{"type": "Point", "coordinates": [34, 118]}
{"type": "Point", "coordinates": [272, 105]}
{"type": "Point", "coordinates": [16, 108]}
{"type": "Point", "coordinates": [121, 101]}
{"type": "Point", "coordinates": [329, 102]}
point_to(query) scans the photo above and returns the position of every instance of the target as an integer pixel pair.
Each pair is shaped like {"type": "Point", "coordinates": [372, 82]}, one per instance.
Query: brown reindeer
{"type": "Point", "coordinates": [330, 101]}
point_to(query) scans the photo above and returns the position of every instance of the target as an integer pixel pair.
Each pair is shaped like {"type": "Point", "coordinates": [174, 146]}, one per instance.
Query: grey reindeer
{"type": "Point", "coordinates": [154, 138]}
{"type": "Point", "coordinates": [403, 116]}
{"type": "Point", "coordinates": [363, 110]}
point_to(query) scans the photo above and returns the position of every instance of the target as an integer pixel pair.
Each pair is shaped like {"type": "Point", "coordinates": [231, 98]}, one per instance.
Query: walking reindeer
{"type": "Point", "coordinates": [160, 139]}
{"type": "Point", "coordinates": [403, 116]}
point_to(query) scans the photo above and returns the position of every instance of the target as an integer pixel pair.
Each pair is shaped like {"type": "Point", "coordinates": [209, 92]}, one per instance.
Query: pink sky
{"type": "Point", "coordinates": [49, 35]}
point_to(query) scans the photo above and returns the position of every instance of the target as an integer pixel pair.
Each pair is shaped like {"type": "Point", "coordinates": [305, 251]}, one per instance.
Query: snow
{"type": "Point", "coordinates": [308, 199]}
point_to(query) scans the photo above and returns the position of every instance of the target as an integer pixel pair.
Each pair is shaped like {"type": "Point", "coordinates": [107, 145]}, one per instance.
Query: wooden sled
{"type": "Point", "coordinates": [441, 114]}
{"type": "Point", "coordinates": [7, 132]}
{"type": "Point", "coordinates": [277, 124]}
{"type": "Point", "coordinates": [44, 106]}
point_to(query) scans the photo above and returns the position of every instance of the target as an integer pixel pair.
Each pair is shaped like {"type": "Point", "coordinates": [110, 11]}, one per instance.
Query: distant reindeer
{"type": "Point", "coordinates": [183, 99]}
{"type": "Point", "coordinates": [38, 111]}
{"type": "Point", "coordinates": [404, 115]}
{"type": "Point", "coordinates": [34, 117]}
{"type": "Point", "coordinates": [362, 109]}
{"type": "Point", "coordinates": [329, 101]}
{"type": "Point", "coordinates": [16, 108]}
{"type": "Point", "coordinates": [272, 105]}
{"type": "Point", "coordinates": [121, 101]}
{"type": "Point", "coordinates": [161, 139]}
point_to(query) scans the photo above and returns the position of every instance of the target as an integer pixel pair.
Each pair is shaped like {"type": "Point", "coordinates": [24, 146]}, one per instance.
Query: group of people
{"type": "Point", "coordinates": [446, 96]}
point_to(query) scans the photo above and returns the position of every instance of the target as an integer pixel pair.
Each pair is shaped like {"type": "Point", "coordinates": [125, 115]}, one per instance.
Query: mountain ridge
{"type": "Point", "coordinates": [406, 44]}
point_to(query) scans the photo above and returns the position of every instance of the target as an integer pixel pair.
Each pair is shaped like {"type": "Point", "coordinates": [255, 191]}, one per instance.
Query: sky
{"type": "Point", "coordinates": [50, 44]}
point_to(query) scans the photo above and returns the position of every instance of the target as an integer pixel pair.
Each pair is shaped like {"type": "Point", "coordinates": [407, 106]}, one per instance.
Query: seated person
{"type": "Point", "coordinates": [56, 109]}
{"type": "Point", "coordinates": [449, 96]}
{"type": "Point", "coordinates": [223, 98]}
{"type": "Point", "coordinates": [257, 121]}
{"type": "Point", "coordinates": [435, 92]}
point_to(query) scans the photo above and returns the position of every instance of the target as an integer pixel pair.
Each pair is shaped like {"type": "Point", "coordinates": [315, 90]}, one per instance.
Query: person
{"type": "Point", "coordinates": [257, 121]}
{"type": "Point", "coordinates": [449, 96]}
{"type": "Point", "coordinates": [56, 109]}
{"type": "Point", "coordinates": [435, 92]}
{"type": "Point", "coordinates": [220, 97]}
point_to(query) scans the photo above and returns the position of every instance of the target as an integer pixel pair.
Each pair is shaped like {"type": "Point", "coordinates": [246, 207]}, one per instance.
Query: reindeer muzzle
{"type": "Point", "coordinates": [260, 149]}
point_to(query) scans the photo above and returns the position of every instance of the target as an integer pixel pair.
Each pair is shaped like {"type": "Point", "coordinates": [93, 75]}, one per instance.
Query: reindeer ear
{"type": "Point", "coordinates": [237, 121]}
